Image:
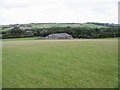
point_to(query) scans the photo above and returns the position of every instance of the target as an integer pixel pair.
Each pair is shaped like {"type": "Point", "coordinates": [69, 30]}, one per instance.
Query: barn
{"type": "Point", "coordinates": [59, 36]}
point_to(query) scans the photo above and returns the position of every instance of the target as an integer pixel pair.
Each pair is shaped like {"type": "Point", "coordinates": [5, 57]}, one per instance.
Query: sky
{"type": "Point", "coordinates": [58, 11]}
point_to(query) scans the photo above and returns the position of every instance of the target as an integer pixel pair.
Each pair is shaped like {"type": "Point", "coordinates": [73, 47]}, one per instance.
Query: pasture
{"type": "Point", "coordinates": [30, 38]}
{"type": "Point", "coordinates": [60, 64]}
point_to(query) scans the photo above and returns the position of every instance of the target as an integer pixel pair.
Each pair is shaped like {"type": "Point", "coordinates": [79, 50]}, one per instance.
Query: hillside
{"type": "Point", "coordinates": [48, 25]}
{"type": "Point", "coordinates": [77, 30]}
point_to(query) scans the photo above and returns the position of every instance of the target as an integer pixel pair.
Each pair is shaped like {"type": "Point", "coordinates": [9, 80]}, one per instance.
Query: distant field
{"type": "Point", "coordinates": [43, 38]}
{"type": "Point", "coordinates": [60, 64]}
{"type": "Point", "coordinates": [64, 25]}
{"type": "Point", "coordinates": [30, 38]}
{"type": "Point", "coordinates": [32, 26]}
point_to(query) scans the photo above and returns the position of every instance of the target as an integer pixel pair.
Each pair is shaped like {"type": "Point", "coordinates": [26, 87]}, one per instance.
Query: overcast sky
{"type": "Point", "coordinates": [59, 11]}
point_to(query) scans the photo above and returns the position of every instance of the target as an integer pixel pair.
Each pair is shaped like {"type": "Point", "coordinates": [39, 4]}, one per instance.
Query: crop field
{"type": "Point", "coordinates": [60, 63]}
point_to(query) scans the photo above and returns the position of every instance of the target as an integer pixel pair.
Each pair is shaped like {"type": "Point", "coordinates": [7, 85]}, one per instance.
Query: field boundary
{"type": "Point", "coordinates": [82, 40]}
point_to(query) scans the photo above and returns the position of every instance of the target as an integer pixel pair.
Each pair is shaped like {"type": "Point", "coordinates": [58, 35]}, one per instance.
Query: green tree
{"type": "Point", "coordinates": [16, 31]}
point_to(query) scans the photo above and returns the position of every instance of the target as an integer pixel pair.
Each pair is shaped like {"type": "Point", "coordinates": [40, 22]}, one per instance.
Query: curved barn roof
{"type": "Point", "coordinates": [60, 34]}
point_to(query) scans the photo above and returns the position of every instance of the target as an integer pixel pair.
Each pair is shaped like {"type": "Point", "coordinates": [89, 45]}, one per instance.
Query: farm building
{"type": "Point", "coordinates": [29, 31]}
{"type": "Point", "coordinates": [59, 36]}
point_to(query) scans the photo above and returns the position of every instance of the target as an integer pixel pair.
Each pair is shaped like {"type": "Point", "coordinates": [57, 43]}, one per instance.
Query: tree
{"type": "Point", "coordinates": [16, 31]}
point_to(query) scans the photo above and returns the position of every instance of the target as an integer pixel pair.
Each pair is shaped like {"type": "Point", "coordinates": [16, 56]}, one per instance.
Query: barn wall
{"type": "Point", "coordinates": [57, 37]}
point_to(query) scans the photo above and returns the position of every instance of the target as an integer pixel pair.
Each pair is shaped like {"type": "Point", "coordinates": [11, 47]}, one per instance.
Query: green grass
{"type": "Point", "coordinates": [115, 38]}
{"type": "Point", "coordinates": [43, 38]}
{"type": "Point", "coordinates": [60, 64]}
{"type": "Point", "coordinates": [62, 25]}
{"type": "Point", "coordinates": [93, 26]}
{"type": "Point", "coordinates": [30, 38]}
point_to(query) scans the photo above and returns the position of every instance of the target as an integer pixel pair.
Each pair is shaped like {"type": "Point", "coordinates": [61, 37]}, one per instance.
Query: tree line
{"type": "Point", "coordinates": [76, 32]}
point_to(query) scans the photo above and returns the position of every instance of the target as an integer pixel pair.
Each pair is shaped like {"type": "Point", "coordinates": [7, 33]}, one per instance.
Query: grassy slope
{"type": "Point", "coordinates": [36, 64]}
{"type": "Point", "coordinates": [58, 25]}
{"type": "Point", "coordinates": [62, 25]}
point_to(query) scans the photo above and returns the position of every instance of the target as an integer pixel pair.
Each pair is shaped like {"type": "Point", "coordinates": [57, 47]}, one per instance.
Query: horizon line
{"type": "Point", "coordinates": [58, 23]}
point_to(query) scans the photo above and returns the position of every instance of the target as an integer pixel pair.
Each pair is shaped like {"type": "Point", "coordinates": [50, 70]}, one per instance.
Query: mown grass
{"type": "Point", "coordinates": [60, 64]}
{"type": "Point", "coordinates": [114, 38]}
{"type": "Point", "coordinates": [43, 38]}
{"type": "Point", "coordinates": [30, 38]}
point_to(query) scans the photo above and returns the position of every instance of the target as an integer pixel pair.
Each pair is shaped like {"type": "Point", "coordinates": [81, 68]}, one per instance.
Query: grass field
{"type": "Point", "coordinates": [29, 38]}
{"type": "Point", "coordinates": [43, 38]}
{"type": "Point", "coordinates": [63, 25]}
{"type": "Point", "coordinates": [60, 64]}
